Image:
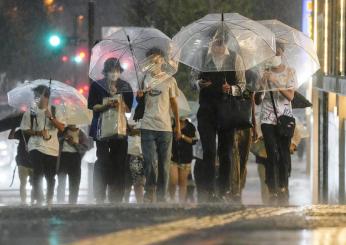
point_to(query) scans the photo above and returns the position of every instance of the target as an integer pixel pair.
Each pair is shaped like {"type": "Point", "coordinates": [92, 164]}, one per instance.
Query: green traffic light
{"type": "Point", "coordinates": [54, 40]}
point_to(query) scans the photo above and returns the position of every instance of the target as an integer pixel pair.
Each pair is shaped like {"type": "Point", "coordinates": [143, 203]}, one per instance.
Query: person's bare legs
{"type": "Point", "coordinates": [139, 192]}
{"type": "Point", "coordinates": [183, 173]}
{"type": "Point", "coordinates": [173, 180]}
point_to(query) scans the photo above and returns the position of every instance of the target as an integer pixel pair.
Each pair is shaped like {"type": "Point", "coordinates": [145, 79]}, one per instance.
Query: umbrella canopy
{"type": "Point", "coordinates": [250, 41]}
{"type": "Point", "coordinates": [299, 52]}
{"type": "Point", "coordinates": [64, 97]}
{"type": "Point", "coordinates": [299, 101]}
{"type": "Point", "coordinates": [183, 105]}
{"type": "Point", "coordinates": [129, 46]}
{"type": "Point", "coordinates": [12, 121]}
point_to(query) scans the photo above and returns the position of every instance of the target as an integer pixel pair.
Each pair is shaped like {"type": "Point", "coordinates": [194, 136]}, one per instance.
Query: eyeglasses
{"type": "Point", "coordinates": [154, 92]}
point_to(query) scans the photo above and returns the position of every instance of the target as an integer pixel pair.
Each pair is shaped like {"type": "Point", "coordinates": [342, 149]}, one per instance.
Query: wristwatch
{"type": "Point", "coordinates": [51, 118]}
{"type": "Point", "coordinates": [182, 136]}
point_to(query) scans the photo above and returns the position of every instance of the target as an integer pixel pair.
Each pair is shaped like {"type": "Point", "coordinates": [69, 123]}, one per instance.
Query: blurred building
{"type": "Point", "coordinates": [329, 101]}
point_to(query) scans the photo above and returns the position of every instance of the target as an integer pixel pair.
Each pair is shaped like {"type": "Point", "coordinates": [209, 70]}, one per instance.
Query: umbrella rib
{"type": "Point", "coordinates": [191, 36]}
{"type": "Point", "coordinates": [148, 39]}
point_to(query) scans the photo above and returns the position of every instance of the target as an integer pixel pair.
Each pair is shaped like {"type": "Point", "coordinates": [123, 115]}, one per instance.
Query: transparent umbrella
{"type": "Point", "coordinates": [249, 40]}
{"type": "Point", "coordinates": [64, 97]}
{"type": "Point", "coordinates": [130, 45]}
{"type": "Point", "coordinates": [299, 52]}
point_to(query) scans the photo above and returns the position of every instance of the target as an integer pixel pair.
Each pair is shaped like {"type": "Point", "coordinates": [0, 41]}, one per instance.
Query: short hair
{"type": "Point", "coordinates": [154, 51]}
{"type": "Point", "coordinates": [112, 64]}
{"type": "Point", "coordinates": [42, 90]}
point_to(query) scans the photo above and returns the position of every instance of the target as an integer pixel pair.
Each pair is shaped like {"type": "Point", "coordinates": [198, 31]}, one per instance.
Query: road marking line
{"type": "Point", "coordinates": [162, 232]}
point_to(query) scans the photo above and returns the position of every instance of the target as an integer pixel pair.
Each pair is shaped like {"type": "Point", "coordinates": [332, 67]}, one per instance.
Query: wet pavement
{"type": "Point", "coordinates": [251, 223]}
{"type": "Point", "coordinates": [173, 224]}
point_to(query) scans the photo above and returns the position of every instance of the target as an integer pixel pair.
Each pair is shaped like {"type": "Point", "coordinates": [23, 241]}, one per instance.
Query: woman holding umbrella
{"type": "Point", "coordinates": [276, 104]}
{"type": "Point", "coordinates": [111, 153]}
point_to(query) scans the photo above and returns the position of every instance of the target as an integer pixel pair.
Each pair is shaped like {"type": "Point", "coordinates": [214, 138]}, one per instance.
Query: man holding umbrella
{"type": "Point", "coordinates": [156, 126]}
{"type": "Point", "coordinates": [42, 123]}
{"type": "Point", "coordinates": [216, 85]}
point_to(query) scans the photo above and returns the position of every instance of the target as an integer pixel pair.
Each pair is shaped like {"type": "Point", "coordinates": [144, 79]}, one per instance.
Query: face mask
{"type": "Point", "coordinates": [113, 76]}
{"type": "Point", "coordinates": [275, 61]}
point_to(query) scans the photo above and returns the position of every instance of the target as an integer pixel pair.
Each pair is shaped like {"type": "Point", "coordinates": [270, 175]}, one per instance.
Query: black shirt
{"type": "Point", "coordinates": [22, 157]}
{"type": "Point", "coordinates": [98, 91]}
{"type": "Point", "coordinates": [181, 150]}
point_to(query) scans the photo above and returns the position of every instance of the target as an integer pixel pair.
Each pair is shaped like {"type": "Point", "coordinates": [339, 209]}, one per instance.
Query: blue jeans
{"type": "Point", "coordinates": [157, 145]}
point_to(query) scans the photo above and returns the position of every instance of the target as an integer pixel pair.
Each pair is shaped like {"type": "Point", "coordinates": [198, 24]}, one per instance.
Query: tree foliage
{"type": "Point", "coordinates": [22, 45]}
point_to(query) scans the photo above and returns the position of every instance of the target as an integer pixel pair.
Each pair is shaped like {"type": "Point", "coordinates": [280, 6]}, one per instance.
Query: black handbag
{"type": "Point", "coordinates": [285, 124]}
{"type": "Point", "coordinates": [140, 108]}
{"type": "Point", "coordinates": [235, 112]}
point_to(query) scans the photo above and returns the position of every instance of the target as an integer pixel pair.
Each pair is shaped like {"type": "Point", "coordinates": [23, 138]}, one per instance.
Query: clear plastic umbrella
{"type": "Point", "coordinates": [64, 97]}
{"type": "Point", "coordinates": [130, 45]}
{"type": "Point", "coordinates": [249, 40]}
{"type": "Point", "coordinates": [299, 52]}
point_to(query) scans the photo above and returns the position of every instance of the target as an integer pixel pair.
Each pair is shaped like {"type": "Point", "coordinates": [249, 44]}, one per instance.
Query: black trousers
{"type": "Point", "coordinates": [110, 169]}
{"type": "Point", "coordinates": [279, 158]}
{"type": "Point", "coordinates": [43, 165]}
{"type": "Point", "coordinates": [70, 165]}
{"type": "Point", "coordinates": [207, 127]}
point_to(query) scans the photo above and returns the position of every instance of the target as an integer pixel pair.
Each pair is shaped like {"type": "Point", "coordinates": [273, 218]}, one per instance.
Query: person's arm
{"type": "Point", "coordinates": [95, 100]}
{"type": "Point", "coordinates": [174, 106]}
{"type": "Point", "coordinates": [56, 123]}
{"type": "Point", "coordinates": [240, 75]}
{"type": "Point", "coordinates": [187, 139]}
{"type": "Point", "coordinates": [287, 92]}
{"type": "Point", "coordinates": [190, 140]}
{"type": "Point", "coordinates": [102, 108]}
{"type": "Point", "coordinates": [254, 123]}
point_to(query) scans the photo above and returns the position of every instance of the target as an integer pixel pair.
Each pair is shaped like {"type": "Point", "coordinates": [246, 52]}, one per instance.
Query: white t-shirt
{"type": "Point", "coordinates": [48, 147]}
{"type": "Point", "coordinates": [283, 106]}
{"type": "Point", "coordinates": [157, 105]}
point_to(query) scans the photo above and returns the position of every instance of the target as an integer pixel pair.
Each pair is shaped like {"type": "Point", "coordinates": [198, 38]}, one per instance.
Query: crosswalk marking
{"type": "Point", "coordinates": [163, 232]}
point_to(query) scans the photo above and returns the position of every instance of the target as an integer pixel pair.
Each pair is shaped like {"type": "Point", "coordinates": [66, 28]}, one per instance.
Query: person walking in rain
{"type": "Point", "coordinates": [25, 168]}
{"type": "Point", "coordinates": [42, 124]}
{"type": "Point", "coordinates": [182, 155]}
{"type": "Point", "coordinates": [214, 85]}
{"type": "Point", "coordinates": [156, 127]}
{"type": "Point", "coordinates": [241, 147]}
{"type": "Point", "coordinates": [277, 146]}
{"type": "Point", "coordinates": [110, 165]}
{"type": "Point", "coordinates": [73, 145]}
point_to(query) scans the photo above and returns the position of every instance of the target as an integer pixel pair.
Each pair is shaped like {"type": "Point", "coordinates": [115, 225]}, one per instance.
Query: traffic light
{"type": "Point", "coordinates": [55, 41]}
{"type": "Point", "coordinates": [80, 56]}
{"type": "Point", "coordinates": [64, 58]}
{"type": "Point", "coordinates": [83, 88]}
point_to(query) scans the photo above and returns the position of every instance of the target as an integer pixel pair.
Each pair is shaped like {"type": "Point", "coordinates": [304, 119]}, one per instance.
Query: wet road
{"type": "Point", "coordinates": [173, 224]}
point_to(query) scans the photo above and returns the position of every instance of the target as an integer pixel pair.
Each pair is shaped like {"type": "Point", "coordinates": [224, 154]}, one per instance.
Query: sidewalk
{"type": "Point", "coordinates": [299, 184]}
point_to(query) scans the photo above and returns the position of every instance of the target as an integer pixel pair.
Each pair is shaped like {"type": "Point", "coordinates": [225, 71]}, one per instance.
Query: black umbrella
{"type": "Point", "coordinates": [299, 101]}
{"type": "Point", "coordinates": [12, 121]}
